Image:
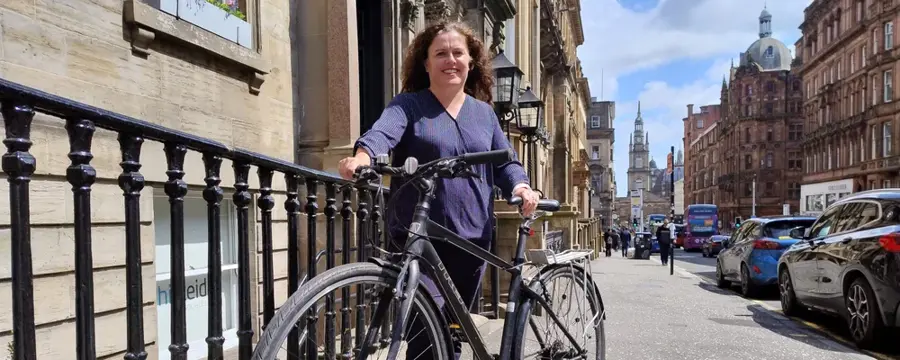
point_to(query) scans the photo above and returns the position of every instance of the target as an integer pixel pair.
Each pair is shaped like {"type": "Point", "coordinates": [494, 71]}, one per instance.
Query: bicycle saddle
{"type": "Point", "coordinates": [543, 204]}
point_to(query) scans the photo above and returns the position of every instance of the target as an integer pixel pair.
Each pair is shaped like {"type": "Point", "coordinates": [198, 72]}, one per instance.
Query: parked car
{"type": "Point", "coordinates": [848, 263]}
{"type": "Point", "coordinates": [713, 245]}
{"type": "Point", "coordinates": [750, 257]}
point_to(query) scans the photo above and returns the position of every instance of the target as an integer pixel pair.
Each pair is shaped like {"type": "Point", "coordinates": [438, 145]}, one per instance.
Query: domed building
{"type": "Point", "coordinates": [760, 134]}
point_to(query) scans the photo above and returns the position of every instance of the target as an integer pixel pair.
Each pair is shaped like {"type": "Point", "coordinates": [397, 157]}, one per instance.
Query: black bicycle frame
{"type": "Point", "coordinates": [421, 231]}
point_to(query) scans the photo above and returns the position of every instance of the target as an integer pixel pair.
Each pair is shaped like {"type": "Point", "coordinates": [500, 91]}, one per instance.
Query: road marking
{"type": "Point", "coordinates": [816, 327]}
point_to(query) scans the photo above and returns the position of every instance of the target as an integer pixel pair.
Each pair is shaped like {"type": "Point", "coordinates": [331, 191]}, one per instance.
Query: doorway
{"type": "Point", "coordinates": [370, 32]}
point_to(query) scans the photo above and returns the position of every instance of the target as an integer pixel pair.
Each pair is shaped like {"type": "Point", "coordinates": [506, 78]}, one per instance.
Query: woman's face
{"type": "Point", "coordinates": [448, 59]}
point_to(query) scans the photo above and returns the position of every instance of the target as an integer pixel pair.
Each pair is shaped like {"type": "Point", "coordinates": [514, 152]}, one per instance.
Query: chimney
{"type": "Point", "coordinates": [690, 109]}
{"type": "Point", "coordinates": [593, 99]}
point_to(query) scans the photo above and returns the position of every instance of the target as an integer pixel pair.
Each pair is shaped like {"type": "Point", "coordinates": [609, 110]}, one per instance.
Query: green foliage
{"type": "Point", "coordinates": [233, 11]}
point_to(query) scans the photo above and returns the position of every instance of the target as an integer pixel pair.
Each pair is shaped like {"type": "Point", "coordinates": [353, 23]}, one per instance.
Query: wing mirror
{"type": "Point", "coordinates": [799, 232]}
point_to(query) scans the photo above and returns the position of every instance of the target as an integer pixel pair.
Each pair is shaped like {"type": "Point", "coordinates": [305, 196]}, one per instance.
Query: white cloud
{"type": "Point", "coordinates": [619, 41]}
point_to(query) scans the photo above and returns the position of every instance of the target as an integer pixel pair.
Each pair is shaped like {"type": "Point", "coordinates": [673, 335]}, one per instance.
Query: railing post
{"type": "Point", "coordinates": [330, 210]}
{"type": "Point", "coordinates": [132, 182]}
{"type": "Point", "coordinates": [213, 195]}
{"type": "Point", "coordinates": [292, 206]}
{"type": "Point", "coordinates": [312, 317]}
{"type": "Point", "coordinates": [176, 189]}
{"type": "Point", "coordinates": [82, 175]}
{"type": "Point", "coordinates": [266, 203]}
{"type": "Point", "coordinates": [19, 165]}
{"type": "Point", "coordinates": [362, 217]}
{"type": "Point", "coordinates": [242, 200]}
{"type": "Point", "coordinates": [346, 313]}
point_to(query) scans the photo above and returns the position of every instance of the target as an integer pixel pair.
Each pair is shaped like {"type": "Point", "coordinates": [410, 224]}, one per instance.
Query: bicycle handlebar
{"type": "Point", "coordinates": [453, 166]}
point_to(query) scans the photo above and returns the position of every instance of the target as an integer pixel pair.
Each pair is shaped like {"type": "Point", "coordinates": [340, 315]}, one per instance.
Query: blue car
{"type": "Point", "coordinates": [750, 257]}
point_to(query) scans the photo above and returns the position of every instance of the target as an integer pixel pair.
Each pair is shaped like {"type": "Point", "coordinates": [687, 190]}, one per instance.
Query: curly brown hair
{"type": "Point", "coordinates": [480, 79]}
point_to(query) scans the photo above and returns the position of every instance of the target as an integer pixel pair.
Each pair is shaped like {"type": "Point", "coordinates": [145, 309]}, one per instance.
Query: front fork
{"type": "Point", "coordinates": [407, 283]}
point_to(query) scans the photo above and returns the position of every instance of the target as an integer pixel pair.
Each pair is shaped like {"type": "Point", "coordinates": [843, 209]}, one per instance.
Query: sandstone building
{"type": "Point", "coordinates": [702, 158]}
{"type": "Point", "coordinates": [298, 81]}
{"type": "Point", "coordinates": [848, 61]}
{"type": "Point", "coordinates": [600, 139]}
{"type": "Point", "coordinates": [761, 132]}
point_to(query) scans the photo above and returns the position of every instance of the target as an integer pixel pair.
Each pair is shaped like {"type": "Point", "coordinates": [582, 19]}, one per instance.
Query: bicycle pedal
{"type": "Point", "coordinates": [457, 335]}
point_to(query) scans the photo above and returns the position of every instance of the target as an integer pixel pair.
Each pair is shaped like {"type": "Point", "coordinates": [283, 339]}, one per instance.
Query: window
{"type": "Point", "coordinates": [863, 55]}
{"type": "Point", "coordinates": [770, 135]}
{"type": "Point", "coordinates": [874, 91]}
{"type": "Point", "coordinates": [852, 62]}
{"type": "Point", "coordinates": [852, 156]}
{"type": "Point", "coordinates": [595, 121]}
{"type": "Point", "coordinates": [227, 18]}
{"type": "Point", "coordinates": [888, 86]}
{"type": "Point", "coordinates": [886, 184]}
{"type": "Point", "coordinates": [839, 69]}
{"type": "Point", "coordinates": [509, 29]}
{"type": "Point", "coordinates": [770, 158]}
{"type": "Point", "coordinates": [639, 184]}
{"type": "Point", "coordinates": [859, 11]}
{"type": "Point", "coordinates": [748, 189]}
{"type": "Point", "coordinates": [794, 161]}
{"type": "Point", "coordinates": [889, 35]}
{"type": "Point", "coordinates": [746, 134]}
{"type": "Point", "coordinates": [595, 152]}
{"type": "Point", "coordinates": [874, 41]}
{"type": "Point", "coordinates": [699, 122]}
{"type": "Point", "coordinates": [874, 145]}
{"type": "Point", "coordinates": [770, 108]}
{"type": "Point", "coordinates": [638, 161]}
{"type": "Point", "coordinates": [196, 271]}
{"type": "Point", "coordinates": [886, 139]}
{"type": "Point", "coordinates": [748, 162]}
{"type": "Point", "coordinates": [822, 227]}
{"type": "Point", "coordinates": [770, 53]}
{"type": "Point", "coordinates": [794, 191]}
{"type": "Point", "coordinates": [795, 132]}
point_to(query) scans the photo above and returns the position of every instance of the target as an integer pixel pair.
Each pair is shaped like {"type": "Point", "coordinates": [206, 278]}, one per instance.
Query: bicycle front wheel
{"type": "Point", "coordinates": [573, 297]}
{"type": "Point", "coordinates": [332, 295]}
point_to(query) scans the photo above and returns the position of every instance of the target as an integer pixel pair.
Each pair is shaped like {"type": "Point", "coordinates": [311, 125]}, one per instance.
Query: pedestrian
{"type": "Point", "coordinates": [625, 238]}
{"type": "Point", "coordinates": [607, 243]}
{"type": "Point", "coordinates": [445, 109]}
{"type": "Point", "coordinates": [664, 237]}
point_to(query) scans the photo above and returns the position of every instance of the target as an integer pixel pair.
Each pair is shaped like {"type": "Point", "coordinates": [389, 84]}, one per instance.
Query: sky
{"type": "Point", "coordinates": [667, 54]}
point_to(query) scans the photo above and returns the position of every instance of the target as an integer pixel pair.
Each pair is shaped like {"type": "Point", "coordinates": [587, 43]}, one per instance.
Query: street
{"type": "Point", "coordinates": [831, 327]}
{"type": "Point", "coordinates": [654, 315]}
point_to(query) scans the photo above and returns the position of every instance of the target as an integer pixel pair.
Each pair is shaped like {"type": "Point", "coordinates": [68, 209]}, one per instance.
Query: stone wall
{"type": "Point", "coordinates": [186, 80]}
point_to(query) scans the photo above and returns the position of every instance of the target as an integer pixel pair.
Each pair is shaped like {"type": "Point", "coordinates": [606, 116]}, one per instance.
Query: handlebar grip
{"type": "Point", "coordinates": [488, 157]}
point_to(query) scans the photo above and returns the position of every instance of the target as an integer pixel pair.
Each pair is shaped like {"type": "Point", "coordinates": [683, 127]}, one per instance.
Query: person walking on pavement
{"type": "Point", "coordinates": [625, 238]}
{"type": "Point", "coordinates": [607, 243]}
{"type": "Point", "coordinates": [664, 237]}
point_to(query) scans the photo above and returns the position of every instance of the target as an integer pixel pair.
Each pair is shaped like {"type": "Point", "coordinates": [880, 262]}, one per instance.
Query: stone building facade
{"type": "Point", "coordinates": [702, 158]}
{"type": "Point", "coordinates": [761, 131]}
{"type": "Point", "coordinates": [299, 82]}
{"type": "Point", "coordinates": [639, 156]}
{"type": "Point", "coordinates": [848, 51]}
{"type": "Point", "coordinates": [600, 139]}
{"type": "Point", "coordinates": [137, 59]}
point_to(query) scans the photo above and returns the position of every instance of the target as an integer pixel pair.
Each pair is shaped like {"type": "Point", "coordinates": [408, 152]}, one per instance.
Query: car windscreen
{"type": "Point", "coordinates": [782, 229]}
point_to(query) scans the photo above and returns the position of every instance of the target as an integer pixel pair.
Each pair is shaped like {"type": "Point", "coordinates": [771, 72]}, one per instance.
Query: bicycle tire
{"type": "Point", "coordinates": [526, 306]}
{"type": "Point", "coordinates": [300, 301]}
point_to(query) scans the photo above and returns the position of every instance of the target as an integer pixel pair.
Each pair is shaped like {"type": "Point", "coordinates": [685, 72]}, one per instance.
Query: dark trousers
{"type": "Point", "coordinates": [466, 271]}
{"type": "Point", "coordinates": [624, 248]}
{"type": "Point", "coordinates": [664, 252]}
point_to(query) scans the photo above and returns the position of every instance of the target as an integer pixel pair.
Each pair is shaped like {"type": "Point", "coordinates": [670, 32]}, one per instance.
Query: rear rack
{"type": "Point", "coordinates": [549, 257]}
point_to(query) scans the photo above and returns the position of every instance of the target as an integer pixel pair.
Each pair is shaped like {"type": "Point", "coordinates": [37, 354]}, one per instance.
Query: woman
{"type": "Point", "coordinates": [445, 109]}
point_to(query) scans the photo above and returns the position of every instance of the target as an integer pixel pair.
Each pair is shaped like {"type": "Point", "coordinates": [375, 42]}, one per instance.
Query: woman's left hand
{"type": "Point", "coordinates": [529, 200]}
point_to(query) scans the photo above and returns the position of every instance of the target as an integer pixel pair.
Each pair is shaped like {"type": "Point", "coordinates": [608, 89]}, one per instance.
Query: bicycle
{"type": "Point", "coordinates": [395, 279]}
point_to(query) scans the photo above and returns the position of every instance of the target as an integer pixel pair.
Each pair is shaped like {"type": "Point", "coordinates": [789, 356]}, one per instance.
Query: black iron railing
{"type": "Point", "coordinates": [18, 105]}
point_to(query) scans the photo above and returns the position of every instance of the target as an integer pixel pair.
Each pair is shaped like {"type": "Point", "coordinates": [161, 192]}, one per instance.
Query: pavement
{"type": "Point", "coordinates": [654, 315]}
{"type": "Point", "coordinates": [829, 326]}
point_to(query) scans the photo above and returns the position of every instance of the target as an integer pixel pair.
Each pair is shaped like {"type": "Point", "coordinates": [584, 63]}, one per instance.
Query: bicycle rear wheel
{"type": "Point", "coordinates": [577, 304]}
{"type": "Point", "coordinates": [373, 278]}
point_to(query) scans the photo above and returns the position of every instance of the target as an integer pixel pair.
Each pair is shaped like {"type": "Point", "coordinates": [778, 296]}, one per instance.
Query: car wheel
{"type": "Point", "coordinates": [747, 287]}
{"type": "Point", "coordinates": [789, 304]}
{"type": "Point", "coordinates": [863, 314]}
{"type": "Point", "coordinates": [720, 277]}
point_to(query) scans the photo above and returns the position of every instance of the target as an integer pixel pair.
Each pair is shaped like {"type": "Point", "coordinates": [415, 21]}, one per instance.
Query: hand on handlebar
{"type": "Point", "coordinates": [347, 166]}
{"type": "Point", "coordinates": [529, 200]}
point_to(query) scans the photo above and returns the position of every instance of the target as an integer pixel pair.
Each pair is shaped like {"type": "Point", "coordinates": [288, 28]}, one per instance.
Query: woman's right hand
{"type": "Point", "coordinates": [347, 166]}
